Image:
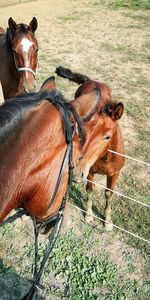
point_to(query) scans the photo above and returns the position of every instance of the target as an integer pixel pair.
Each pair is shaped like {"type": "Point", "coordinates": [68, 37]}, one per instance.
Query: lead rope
{"type": "Point", "coordinates": [51, 242]}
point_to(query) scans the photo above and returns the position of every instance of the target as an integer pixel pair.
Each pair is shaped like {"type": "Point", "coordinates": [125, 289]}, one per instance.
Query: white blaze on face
{"type": "Point", "coordinates": [26, 44]}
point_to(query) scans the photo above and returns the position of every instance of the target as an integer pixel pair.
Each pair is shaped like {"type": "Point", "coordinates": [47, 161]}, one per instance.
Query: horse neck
{"type": "Point", "coordinates": [38, 151]}
{"type": "Point", "coordinates": [117, 143]}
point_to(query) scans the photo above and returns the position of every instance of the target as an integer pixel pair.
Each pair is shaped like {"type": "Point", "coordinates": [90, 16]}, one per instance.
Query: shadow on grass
{"type": "Point", "coordinates": [79, 197]}
{"type": "Point", "coordinates": [12, 286]}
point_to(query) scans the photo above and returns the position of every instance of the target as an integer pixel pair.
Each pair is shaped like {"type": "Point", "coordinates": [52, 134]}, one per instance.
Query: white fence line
{"type": "Point", "coordinates": [129, 157]}
{"type": "Point", "coordinates": [117, 193]}
{"type": "Point", "coordinates": [122, 229]}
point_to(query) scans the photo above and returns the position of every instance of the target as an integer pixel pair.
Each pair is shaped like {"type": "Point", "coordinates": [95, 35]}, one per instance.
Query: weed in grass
{"type": "Point", "coordinates": [132, 4]}
{"type": "Point", "coordinates": [141, 18]}
{"type": "Point", "coordinates": [69, 18]}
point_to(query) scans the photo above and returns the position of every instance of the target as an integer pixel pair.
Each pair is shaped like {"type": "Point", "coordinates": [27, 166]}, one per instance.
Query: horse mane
{"type": "Point", "coordinates": [8, 38]}
{"type": "Point", "coordinates": [13, 110]}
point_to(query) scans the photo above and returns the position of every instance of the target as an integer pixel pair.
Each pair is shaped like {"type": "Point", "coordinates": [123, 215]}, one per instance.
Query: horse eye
{"type": "Point", "coordinates": [36, 50]}
{"type": "Point", "coordinates": [107, 137]}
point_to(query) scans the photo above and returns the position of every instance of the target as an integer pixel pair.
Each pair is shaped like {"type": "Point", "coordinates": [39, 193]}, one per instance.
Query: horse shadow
{"type": "Point", "coordinates": [12, 286]}
{"type": "Point", "coordinates": [79, 198]}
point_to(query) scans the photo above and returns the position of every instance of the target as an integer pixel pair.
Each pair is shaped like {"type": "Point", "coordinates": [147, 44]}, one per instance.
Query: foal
{"type": "Point", "coordinates": [108, 164]}
{"type": "Point", "coordinates": [18, 58]}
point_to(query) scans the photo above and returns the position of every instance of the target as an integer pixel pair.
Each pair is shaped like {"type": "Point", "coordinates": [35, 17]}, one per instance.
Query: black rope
{"type": "Point", "coordinates": [14, 217]}
{"type": "Point", "coordinates": [51, 242]}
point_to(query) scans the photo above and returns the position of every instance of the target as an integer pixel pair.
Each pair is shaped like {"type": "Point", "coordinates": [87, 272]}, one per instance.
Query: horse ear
{"type": "Point", "coordinates": [86, 104]}
{"type": "Point", "coordinates": [12, 24]}
{"type": "Point", "coordinates": [49, 84]}
{"type": "Point", "coordinates": [119, 109]}
{"type": "Point", "coordinates": [33, 25]}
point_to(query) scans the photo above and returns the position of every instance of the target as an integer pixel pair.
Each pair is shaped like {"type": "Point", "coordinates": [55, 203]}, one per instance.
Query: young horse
{"type": "Point", "coordinates": [18, 58]}
{"type": "Point", "coordinates": [110, 164]}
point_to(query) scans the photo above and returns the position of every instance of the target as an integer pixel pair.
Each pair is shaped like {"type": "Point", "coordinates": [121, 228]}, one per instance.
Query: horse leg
{"type": "Point", "coordinates": [67, 217]}
{"type": "Point", "coordinates": [111, 180]}
{"type": "Point", "coordinates": [89, 189]}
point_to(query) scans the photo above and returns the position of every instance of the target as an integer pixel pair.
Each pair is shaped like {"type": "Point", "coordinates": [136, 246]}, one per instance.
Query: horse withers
{"type": "Point", "coordinates": [110, 163]}
{"type": "Point", "coordinates": [18, 58]}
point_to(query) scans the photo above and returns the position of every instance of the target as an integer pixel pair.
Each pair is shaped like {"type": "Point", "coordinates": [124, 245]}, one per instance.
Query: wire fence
{"type": "Point", "coordinates": [118, 194]}
{"type": "Point", "coordinates": [129, 157]}
{"type": "Point", "coordinates": [116, 226]}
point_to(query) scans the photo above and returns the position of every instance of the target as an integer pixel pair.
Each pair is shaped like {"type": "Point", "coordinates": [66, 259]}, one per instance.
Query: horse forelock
{"type": "Point", "coordinates": [108, 109]}
{"type": "Point", "coordinates": [22, 28]}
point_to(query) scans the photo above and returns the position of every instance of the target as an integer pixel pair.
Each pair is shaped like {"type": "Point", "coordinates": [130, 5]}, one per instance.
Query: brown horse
{"type": "Point", "coordinates": [110, 164]}
{"type": "Point", "coordinates": [33, 145]}
{"type": "Point", "coordinates": [31, 155]}
{"type": "Point", "coordinates": [18, 58]}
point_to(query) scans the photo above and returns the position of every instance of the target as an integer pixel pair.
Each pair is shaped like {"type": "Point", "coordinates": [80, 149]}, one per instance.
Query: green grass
{"type": "Point", "coordinates": [69, 18]}
{"type": "Point", "coordinates": [81, 275]}
{"type": "Point", "coordinates": [131, 4]}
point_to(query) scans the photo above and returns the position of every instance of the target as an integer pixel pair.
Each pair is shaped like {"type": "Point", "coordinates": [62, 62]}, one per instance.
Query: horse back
{"type": "Point", "coordinates": [87, 87]}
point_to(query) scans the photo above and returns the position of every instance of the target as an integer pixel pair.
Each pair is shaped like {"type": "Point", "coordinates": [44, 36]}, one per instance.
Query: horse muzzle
{"type": "Point", "coordinates": [29, 88]}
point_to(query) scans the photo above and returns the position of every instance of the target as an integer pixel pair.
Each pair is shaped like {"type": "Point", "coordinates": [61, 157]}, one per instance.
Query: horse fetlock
{"type": "Point", "coordinates": [109, 226]}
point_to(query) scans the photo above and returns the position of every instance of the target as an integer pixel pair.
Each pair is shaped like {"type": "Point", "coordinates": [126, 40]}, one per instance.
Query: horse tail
{"type": "Point", "coordinates": [67, 73]}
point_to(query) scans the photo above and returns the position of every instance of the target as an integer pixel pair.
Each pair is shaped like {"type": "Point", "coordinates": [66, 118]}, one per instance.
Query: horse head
{"type": "Point", "coordinates": [25, 52]}
{"type": "Point", "coordinates": [100, 124]}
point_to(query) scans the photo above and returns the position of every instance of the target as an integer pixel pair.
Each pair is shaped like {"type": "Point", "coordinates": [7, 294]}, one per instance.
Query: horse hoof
{"type": "Point", "coordinates": [109, 226]}
{"type": "Point", "coordinates": [108, 194]}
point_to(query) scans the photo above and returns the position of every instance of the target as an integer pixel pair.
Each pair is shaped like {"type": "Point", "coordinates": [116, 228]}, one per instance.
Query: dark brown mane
{"type": "Point", "coordinates": [12, 111]}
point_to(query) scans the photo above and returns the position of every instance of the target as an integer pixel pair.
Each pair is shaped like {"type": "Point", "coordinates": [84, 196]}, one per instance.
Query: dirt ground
{"type": "Point", "coordinates": [109, 45]}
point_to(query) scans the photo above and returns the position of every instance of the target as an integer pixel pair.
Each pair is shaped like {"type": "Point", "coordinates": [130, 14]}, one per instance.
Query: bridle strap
{"type": "Point", "coordinates": [61, 172]}
{"type": "Point", "coordinates": [22, 69]}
